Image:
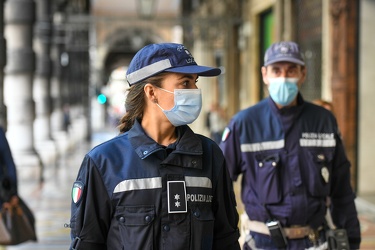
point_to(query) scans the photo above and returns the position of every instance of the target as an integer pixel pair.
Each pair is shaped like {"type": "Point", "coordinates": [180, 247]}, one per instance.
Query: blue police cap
{"type": "Point", "coordinates": [170, 57]}
{"type": "Point", "coordinates": [283, 52]}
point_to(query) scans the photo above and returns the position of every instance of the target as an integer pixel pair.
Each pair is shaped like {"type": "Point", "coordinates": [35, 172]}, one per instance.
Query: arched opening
{"type": "Point", "coordinates": [120, 46]}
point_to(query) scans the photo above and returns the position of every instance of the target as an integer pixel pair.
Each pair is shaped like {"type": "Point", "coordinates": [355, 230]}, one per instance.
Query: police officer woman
{"type": "Point", "coordinates": [157, 185]}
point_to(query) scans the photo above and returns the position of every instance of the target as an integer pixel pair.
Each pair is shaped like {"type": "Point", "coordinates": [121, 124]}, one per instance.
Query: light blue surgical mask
{"type": "Point", "coordinates": [283, 90]}
{"type": "Point", "coordinates": [187, 106]}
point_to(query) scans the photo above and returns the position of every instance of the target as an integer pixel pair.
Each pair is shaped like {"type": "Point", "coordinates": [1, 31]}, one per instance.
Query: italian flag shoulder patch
{"type": "Point", "coordinates": [77, 191]}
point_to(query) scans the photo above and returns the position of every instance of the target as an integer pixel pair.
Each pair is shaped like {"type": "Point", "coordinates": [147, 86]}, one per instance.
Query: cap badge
{"type": "Point", "coordinates": [188, 52]}
{"type": "Point", "coordinates": [284, 49]}
{"type": "Point", "coordinates": [180, 48]}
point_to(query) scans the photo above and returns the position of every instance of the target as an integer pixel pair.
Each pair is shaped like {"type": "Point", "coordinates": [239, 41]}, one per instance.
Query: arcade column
{"type": "Point", "coordinates": [18, 85]}
{"type": "Point", "coordinates": [41, 86]}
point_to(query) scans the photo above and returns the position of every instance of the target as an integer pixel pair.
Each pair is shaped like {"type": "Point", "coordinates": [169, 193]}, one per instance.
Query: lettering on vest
{"type": "Point", "coordinates": [310, 139]}
{"type": "Point", "coordinates": [199, 197]}
{"type": "Point", "coordinates": [324, 136]}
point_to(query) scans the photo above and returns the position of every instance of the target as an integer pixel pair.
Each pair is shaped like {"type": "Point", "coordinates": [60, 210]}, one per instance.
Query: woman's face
{"type": "Point", "coordinates": [171, 82]}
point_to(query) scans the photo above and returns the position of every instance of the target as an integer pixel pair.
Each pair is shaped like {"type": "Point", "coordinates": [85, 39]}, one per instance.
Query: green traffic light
{"type": "Point", "coordinates": [102, 99]}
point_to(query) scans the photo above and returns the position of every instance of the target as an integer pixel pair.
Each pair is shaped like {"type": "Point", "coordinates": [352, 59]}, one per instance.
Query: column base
{"type": "Point", "coordinates": [29, 166]}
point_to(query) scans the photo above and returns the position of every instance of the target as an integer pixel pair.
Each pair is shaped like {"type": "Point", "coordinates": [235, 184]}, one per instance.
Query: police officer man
{"type": "Point", "coordinates": [157, 185]}
{"type": "Point", "coordinates": [292, 161]}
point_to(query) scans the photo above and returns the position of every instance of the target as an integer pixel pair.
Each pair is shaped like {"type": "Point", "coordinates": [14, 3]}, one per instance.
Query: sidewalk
{"type": "Point", "coordinates": [366, 214]}
{"type": "Point", "coordinates": [51, 200]}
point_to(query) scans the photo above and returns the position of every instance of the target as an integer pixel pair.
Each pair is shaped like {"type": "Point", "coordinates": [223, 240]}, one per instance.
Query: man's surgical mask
{"type": "Point", "coordinates": [187, 106]}
{"type": "Point", "coordinates": [283, 90]}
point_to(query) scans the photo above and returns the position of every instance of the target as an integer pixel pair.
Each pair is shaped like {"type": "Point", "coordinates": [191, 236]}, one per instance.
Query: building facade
{"type": "Point", "coordinates": [335, 37]}
{"type": "Point", "coordinates": [57, 56]}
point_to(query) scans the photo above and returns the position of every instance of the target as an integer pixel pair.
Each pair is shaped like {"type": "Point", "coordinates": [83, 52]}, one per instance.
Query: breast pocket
{"type": "Point", "coordinates": [136, 226]}
{"type": "Point", "coordinates": [202, 227]}
{"type": "Point", "coordinates": [317, 173]}
{"type": "Point", "coordinates": [268, 178]}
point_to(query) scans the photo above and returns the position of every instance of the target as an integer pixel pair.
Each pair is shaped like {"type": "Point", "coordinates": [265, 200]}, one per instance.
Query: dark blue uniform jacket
{"type": "Point", "coordinates": [291, 160]}
{"type": "Point", "coordinates": [128, 201]}
{"type": "Point", "coordinates": [7, 169]}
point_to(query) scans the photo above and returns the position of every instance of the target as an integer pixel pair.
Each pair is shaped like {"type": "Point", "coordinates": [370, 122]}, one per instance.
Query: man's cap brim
{"type": "Point", "coordinates": [285, 59]}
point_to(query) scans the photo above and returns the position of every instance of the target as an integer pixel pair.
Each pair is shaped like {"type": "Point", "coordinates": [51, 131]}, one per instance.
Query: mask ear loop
{"type": "Point", "coordinates": [156, 101]}
{"type": "Point", "coordinates": [159, 106]}
{"type": "Point", "coordinates": [165, 90]}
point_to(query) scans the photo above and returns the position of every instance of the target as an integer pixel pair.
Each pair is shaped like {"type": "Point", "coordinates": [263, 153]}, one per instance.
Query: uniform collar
{"type": "Point", "coordinates": [187, 144]}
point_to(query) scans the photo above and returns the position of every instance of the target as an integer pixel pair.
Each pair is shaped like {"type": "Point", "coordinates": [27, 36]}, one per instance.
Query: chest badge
{"type": "Point", "coordinates": [325, 174]}
{"type": "Point", "coordinates": [177, 202]}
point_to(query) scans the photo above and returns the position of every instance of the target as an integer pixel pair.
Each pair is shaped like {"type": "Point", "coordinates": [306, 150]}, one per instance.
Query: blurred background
{"type": "Point", "coordinates": [63, 64]}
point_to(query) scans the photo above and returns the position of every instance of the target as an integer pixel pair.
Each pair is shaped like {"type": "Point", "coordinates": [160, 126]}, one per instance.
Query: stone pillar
{"type": "Point", "coordinates": [2, 65]}
{"type": "Point", "coordinates": [56, 79]}
{"type": "Point", "coordinates": [41, 91]}
{"type": "Point", "coordinates": [18, 85]}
